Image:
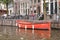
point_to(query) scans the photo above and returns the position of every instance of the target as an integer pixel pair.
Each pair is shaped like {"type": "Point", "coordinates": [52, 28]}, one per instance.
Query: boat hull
{"type": "Point", "coordinates": [31, 25]}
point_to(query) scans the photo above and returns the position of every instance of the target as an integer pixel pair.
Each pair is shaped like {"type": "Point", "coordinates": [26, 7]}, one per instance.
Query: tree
{"type": "Point", "coordinates": [45, 16]}
{"type": "Point", "coordinates": [6, 2]}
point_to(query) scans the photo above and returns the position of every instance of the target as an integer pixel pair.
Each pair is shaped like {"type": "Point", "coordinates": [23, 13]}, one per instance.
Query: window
{"type": "Point", "coordinates": [31, 1]}
{"type": "Point", "coordinates": [38, 0]}
{"type": "Point", "coordinates": [55, 7]}
{"type": "Point", "coordinates": [25, 5]}
{"type": "Point", "coordinates": [55, 0]}
{"type": "Point", "coordinates": [10, 11]}
{"type": "Point", "coordinates": [34, 1]}
{"type": "Point", "coordinates": [59, 10]}
{"type": "Point", "coordinates": [21, 5]}
{"type": "Point", "coordinates": [51, 0]}
{"type": "Point", "coordinates": [38, 9]}
{"type": "Point", "coordinates": [34, 11]}
{"type": "Point", "coordinates": [51, 8]}
{"type": "Point", "coordinates": [24, 10]}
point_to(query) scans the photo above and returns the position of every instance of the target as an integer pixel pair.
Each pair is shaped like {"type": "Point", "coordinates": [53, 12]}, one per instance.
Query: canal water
{"type": "Point", "coordinates": [14, 33]}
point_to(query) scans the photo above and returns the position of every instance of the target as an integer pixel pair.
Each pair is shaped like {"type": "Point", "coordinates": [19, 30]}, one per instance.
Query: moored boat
{"type": "Point", "coordinates": [33, 24]}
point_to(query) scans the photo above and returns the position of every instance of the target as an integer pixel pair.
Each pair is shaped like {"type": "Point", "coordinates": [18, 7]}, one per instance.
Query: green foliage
{"type": "Point", "coordinates": [6, 2]}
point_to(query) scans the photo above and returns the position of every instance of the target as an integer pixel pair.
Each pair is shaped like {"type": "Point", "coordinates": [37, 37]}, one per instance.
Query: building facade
{"type": "Point", "coordinates": [16, 7]}
{"type": "Point", "coordinates": [52, 6]}
{"type": "Point", "coordinates": [2, 9]}
{"type": "Point", "coordinates": [2, 6]}
{"type": "Point", "coordinates": [10, 9]}
{"type": "Point", "coordinates": [21, 7]}
{"type": "Point", "coordinates": [25, 7]}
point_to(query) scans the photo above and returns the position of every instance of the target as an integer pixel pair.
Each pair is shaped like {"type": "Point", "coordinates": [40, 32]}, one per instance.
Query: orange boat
{"type": "Point", "coordinates": [33, 24]}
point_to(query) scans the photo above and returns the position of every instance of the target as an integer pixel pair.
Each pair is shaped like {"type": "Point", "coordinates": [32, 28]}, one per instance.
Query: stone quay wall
{"type": "Point", "coordinates": [11, 22]}
{"type": "Point", "coordinates": [55, 24]}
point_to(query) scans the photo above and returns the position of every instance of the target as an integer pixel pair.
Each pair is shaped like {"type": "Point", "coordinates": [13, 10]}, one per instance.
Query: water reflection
{"type": "Point", "coordinates": [34, 34]}
{"type": "Point", "coordinates": [13, 33]}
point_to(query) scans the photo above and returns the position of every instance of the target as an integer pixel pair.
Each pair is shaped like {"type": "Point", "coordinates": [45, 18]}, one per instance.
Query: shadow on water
{"type": "Point", "coordinates": [34, 29]}
{"type": "Point", "coordinates": [55, 28]}
{"type": "Point", "coordinates": [13, 33]}
{"type": "Point", "coordinates": [55, 34]}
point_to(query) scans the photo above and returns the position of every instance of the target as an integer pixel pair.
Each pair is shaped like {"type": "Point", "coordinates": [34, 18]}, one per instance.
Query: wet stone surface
{"type": "Point", "coordinates": [13, 33]}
